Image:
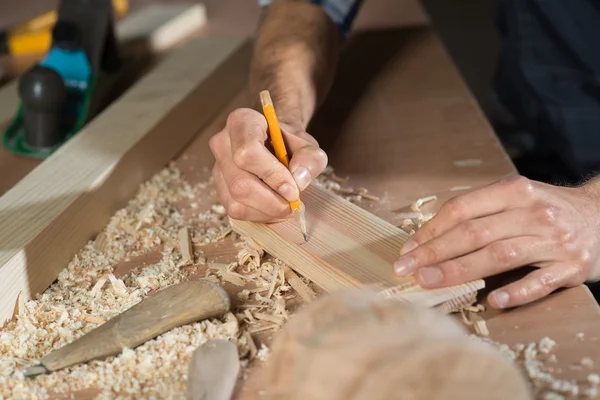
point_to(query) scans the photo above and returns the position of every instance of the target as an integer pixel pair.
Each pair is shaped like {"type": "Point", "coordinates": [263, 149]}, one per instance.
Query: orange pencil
{"type": "Point", "coordinates": [281, 153]}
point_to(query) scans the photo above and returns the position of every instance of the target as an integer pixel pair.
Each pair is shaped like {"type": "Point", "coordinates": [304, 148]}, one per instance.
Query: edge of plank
{"type": "Point", "coordinates": [51, 214]}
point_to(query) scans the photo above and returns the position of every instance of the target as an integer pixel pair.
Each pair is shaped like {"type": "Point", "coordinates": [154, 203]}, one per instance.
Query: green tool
{"type": "Point", "coordinates": [64, 91]}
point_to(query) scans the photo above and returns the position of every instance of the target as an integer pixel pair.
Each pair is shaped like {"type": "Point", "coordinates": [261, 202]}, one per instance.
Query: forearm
{"type": "Point", "coordinates": [295, 58]}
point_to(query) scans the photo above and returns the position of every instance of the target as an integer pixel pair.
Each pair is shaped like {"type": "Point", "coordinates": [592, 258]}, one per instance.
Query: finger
{"type": "Point", "coordinates": [466, 238]}
{"type": "Point", "coordinates": [250, 191]}
{"type": "Point", "coordinates": [498, 257]}
{"type": "Point", "coordinates": [306, 164]}
{"type": "Point", "coordinates": [536, 285]}
{"type": "Point", "coordinates": [235, 209]}
{"type": "Point", "coordinates": [247, 133]}
{"type": "Point", "coordinates": [515, 192]}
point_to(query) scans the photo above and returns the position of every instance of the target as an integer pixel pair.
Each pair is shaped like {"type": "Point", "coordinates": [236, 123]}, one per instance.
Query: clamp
{"type": "Point", "coordinates": [61, 93]}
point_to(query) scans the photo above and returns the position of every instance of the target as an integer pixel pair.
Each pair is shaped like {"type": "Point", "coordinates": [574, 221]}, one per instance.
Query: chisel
{"type": "Point", "coordinates": [174, 306]}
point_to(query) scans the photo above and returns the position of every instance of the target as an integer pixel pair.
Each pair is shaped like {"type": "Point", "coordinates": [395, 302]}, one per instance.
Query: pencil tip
{"type": "Point", "coordinates": [305, 237]}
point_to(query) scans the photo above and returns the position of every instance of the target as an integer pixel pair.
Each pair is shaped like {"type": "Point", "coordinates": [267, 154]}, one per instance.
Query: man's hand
{"type": "Point", "coordinates": [251, 183]}
{"type": "Point", "coordinates": [510, 224]}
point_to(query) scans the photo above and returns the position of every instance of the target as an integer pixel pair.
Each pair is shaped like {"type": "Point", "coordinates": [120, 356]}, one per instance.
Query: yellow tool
{"type": "Point", "coordinates": [174, 306]}
{"type": "Point", "coordinates": [35, 36]}
{"type": "Point", "coordinates": [281, 153]}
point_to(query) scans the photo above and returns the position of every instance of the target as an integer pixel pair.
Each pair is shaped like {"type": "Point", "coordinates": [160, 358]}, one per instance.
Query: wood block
{"type": "Point", "coordinates": [347, 247]}
{"type": "Point", "coordinates": [161, 26]}
{"type": "Point", "coordinates": [50, 214]}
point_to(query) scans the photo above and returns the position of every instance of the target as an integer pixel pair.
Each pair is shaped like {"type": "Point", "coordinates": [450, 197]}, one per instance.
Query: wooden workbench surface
{"type": "Point", "coordinates": [401, 123]}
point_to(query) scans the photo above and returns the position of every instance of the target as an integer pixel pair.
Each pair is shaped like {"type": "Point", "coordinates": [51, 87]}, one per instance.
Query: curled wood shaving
{"type": "Point", "coordinates": [416, 206]}
{"type": "Point", "coordinates": [118, 285]}
{"type": "Point", "coordinates": [251, 344]}
{"type": "Point", "coordinates": [269, 318]}
{"type": "Point", "coordinates": [19, 306]}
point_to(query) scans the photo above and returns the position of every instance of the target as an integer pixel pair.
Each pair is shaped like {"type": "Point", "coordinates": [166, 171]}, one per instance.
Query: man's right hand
{"type": "Point", "coordinates": [251, 183]}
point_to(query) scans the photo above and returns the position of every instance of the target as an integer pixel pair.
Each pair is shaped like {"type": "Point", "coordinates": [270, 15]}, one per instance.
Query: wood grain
{"type": "Point", "coordinates": [347, 247]}
{"type": "Point", "coordinates": [50, 214]}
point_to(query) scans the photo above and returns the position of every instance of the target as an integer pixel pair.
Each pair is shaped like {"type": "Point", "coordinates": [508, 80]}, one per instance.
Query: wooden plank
{"type": "Point", "coordinates": [45, 218]}
{"type": "Point", "coordinates": [347, 247]}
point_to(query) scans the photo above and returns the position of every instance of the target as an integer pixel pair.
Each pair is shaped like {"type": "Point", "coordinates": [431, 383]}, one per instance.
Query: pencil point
{"type": "Point", "coordinates": [305, 237]}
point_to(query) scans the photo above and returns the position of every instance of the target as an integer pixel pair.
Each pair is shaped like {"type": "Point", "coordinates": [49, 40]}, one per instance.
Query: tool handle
{"type": "Point", "coordinates": [172, 307]}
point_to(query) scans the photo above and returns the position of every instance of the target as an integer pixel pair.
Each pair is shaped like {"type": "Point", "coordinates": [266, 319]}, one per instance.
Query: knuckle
{"type": "Point", "coordinates": [243, 155]}
{"type": "Point", "coordinates": [456, 209]}
{"type": "Point", "coordinates": [547, 281]}
{"type": "Point", "coordinates": [456, 270]}
{"type": "Point", "coordinates": [239, 188]}
{"type": "Point", "coordinates": [546, 214]}
{"type": "Point", "coordinates": [475, 233]}
{"type": "Point", "coordinates": [503, 253]}
{"type": "Point", "coordinates": [214, 143]}
{"type": "Point", "coordinates": [236, 116]}
{"type": "Point", "coordinates": [524, 186]}
{"type": "Point", "coordinates": [580, 274]}
{"type": "Point", "coordinates": [428, 254]}
{"type": "Point", "coordinates": [235, 210]}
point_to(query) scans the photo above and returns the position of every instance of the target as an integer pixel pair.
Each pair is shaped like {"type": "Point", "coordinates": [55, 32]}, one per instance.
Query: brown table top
{"type": "Point", "coordinates": [400, 122]}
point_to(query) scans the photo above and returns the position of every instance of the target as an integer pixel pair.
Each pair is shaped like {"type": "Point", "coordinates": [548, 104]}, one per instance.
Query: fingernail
{"type": "Point", "coordinates": [408, 247]}
{"type": "Point", "coordinates": [302, 177]}
{"type": "Point", "coordinates": [430, 275]}
{"type": "Point", "coordinates": [288, 192]}
{"type": "Point", "coordinates": [500, 298]}
{"type": "Point", "coordinates": [403, 266]}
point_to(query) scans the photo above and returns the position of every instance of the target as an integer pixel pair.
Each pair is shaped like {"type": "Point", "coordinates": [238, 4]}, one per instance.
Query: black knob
{"type": "Point", "coordinates": [43, 94]}
{"type": "Point", "coordinates": [66, 35]}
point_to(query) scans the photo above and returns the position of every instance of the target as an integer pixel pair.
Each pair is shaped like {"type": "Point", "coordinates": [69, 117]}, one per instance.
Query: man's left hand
{"type": "Point", "coordinates": [510, 224]}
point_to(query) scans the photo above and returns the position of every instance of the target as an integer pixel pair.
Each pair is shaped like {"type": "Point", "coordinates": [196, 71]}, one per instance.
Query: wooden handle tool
{"type": "Point", "coordinates": [213, 371]}
{"type": "Point", "coordinates": [174, 306]}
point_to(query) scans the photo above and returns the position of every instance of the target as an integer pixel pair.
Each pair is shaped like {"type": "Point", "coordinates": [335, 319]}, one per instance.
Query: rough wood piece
{"type": "Point", "coordinates": [347, 247]}
{"type": "Point", "coordinates": [185, 246]}
{"type": "Point", "coordinates": [50, 214]}
{"type": "Point", "coordinates": [213, 371]}
{"type": "Point", "coordinates": [354, 344]}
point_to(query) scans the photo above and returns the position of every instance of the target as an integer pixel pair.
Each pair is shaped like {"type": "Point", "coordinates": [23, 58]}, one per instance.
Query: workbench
{"type": "Point", "coordinates": [400, 122]}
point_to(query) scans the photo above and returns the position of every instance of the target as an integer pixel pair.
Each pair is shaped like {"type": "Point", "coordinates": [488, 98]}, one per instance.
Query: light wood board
{"type": "Point", "coordinates": [347, 247]}
{"type": "Point", "coordinates": [50, 214]}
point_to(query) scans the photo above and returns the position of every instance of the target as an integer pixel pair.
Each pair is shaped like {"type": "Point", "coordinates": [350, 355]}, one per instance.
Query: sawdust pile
{"type": "Point", "coordinates": [89, 291]}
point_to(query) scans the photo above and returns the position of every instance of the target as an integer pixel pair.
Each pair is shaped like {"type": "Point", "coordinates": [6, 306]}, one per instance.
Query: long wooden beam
{"type": "Point", "coordinates": [347, 247]}
{"type": "Point", "coordinates": [51, 213]}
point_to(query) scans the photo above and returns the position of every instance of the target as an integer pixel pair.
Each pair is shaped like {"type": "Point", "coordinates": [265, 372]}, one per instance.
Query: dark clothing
{"type": "Point", "coordinates": [548, 76]}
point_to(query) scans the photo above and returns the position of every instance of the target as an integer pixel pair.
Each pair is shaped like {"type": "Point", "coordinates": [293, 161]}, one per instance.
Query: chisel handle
{"type": "Point", "coordinates": [174, 306]}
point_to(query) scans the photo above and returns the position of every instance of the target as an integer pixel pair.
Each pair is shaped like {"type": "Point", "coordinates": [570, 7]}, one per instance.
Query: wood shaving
{"type": "Point", "coordinates": [79, 301]}
{"type": "Point", "coordinates": [19, 307]}
{"type": "Point", "coordinates": [185, 246]}
{"type": "Point", "coordinates": [330, 181]}
{"type": "Point", "coordinates": [535, 360]}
